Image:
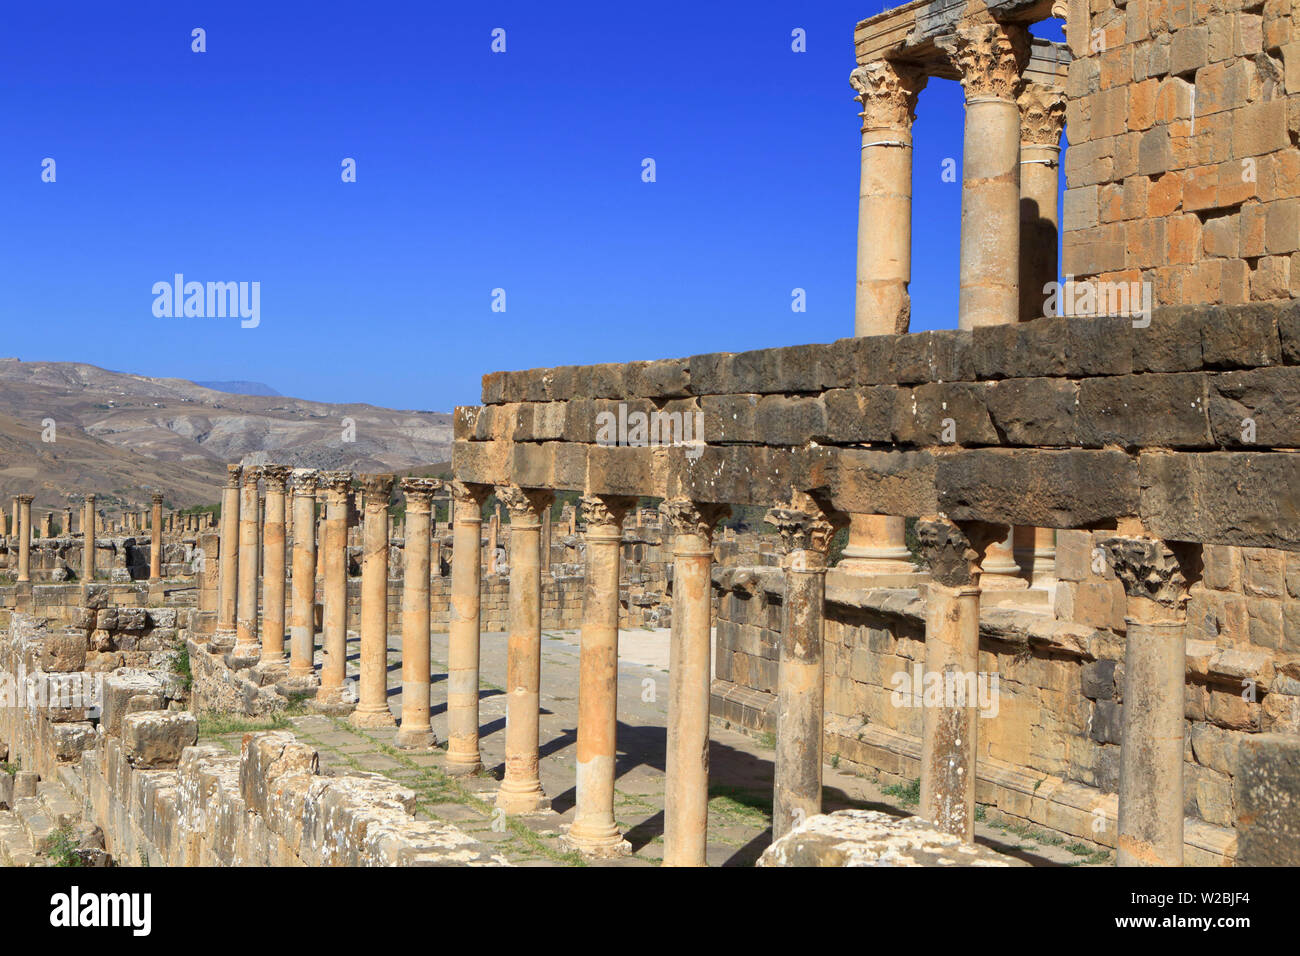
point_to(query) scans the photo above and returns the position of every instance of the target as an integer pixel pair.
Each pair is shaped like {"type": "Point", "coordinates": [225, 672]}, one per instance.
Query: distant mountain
{"type": "Point", "coordinates": [241, 388]}
{"type": "Point", "coordinates": [124, 435]}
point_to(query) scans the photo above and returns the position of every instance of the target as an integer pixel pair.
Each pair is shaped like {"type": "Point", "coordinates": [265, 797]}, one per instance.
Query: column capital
{"type": "Point", "coordinates": [468, 494]}
{"type": "Point", "coordinates": [989, 54]}
{"type": "Point", "coordinates": [252, 475]}
{"type": "Point", "coordinates": [377, 489]}
{"type": "Point", "coordinates": [887, 90]}
{"type": "Point", "coordinates": [419, 493]}
{"type": "Point", "coordinates": [89, 499]}
{"type": "Point", "coordinates": [1152, 569]}
{"type": "Point", "coordinates": [233, 473]}
{"type": "Point", "coordinates": [25, 499]}
{"type": "Point", "coordinates": [336, 485]}
{"type": "Point", "coordinates": [525, 503]}
{"type": "Point", "coordinates": [305, 481]}
{"type": "Point", "coordinates": [156, 498]}
{"type": "Point", "coordinates": [806, 531]}
{"type": "Point", "coordinates": [607, 509]}
{"type": "Point", "coordinates": [955, 551]}
{"type": "Point", "coordinates": [1042, 113]}
{"type": "Point", "coordinates": [276, 477]}
{"type": "Point", "coordinates": [693, 517]}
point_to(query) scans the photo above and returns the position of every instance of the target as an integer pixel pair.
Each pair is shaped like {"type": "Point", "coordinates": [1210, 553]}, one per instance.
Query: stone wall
{"type": "Point", "coordinates": [1049, 755]}
{"type": "Point", "coordinates": [1182, 169]}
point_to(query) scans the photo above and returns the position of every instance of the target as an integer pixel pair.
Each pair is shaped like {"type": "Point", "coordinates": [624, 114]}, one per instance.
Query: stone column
{"type": "Point", "coordinates": [887, 91]}
{"type": "Point", "coordinates": [155, 540]}
{"type": "Point", "coordinates": [273, 554]}
{"type": "Point", "coordinates": [594, 831]}
{"type": "Point", "coordinates": [88, 542]}
{"type": "Point", "coordinates": [686, 793]}
{"type": "Point", "coordinates": [1156, 577]}
{"type": "Point", "coordinates": [416, 733]}
{"type": "Point", "coordinates": [332, 694]}
{"type": "Point", "coordinates": [302, 619]}
{"type": "Point", "coordinates": [4, 523]}
{"type": "Point", "coordinates": [463, 627]}
{"type": "Point", "coordinates": [521, 790]}
{"type": "Point", "coordinates": [494, 532]}
{"type": "Point", "coordinates": [372, 705]}
{"type": "Point", "coordinates": [47, 525]}
{"type": "Point", "coordinates": [990, 56]}
{"type": "Point", "coordinates": [1042, 118]}
{"type": "Point", "coordinates": [952, 638]}
{"type": "Point", "coordinates": [546, 541]}
{"type": "Point", "coordinates": [67, 522]}
{"type": "Point", "coordinates": [806, 532]}
{"type": "Point", "coordinates": [247, 646]}
{"type": "Point", "coordinates": [25, 538]}
{"type": "Point", "coordinates": [228, 585]}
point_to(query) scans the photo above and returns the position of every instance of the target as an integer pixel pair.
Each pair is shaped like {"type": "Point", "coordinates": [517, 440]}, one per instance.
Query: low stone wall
{"type": "Point", "coordinates": [1049, 748]}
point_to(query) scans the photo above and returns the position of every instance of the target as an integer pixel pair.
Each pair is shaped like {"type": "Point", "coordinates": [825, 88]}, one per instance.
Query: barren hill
{"type": "Point", "coordinates": [128, 435]}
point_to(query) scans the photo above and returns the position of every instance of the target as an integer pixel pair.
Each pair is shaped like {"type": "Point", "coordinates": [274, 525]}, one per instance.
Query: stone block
{"type": "Point", "coordinates": [1165, 410]}
{"type": "Point", "coordinates": [119, 689]}
{"type": "Point", "coordinates": [1266, 783]}
{"type": "Point", "coordinates": [154, 739]}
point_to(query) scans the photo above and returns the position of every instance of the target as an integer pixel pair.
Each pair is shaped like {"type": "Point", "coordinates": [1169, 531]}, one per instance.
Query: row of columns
{"type": "Point", "coordinates": [1009, 220]}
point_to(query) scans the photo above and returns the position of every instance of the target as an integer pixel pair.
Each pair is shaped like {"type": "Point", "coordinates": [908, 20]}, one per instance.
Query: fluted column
{"type": "Point", "coordinates": [228, 583]}
{"type": "Point", "coordinates": [372, 705]}
{"type": "Point", "coordinates": [302, 619]}
{"type": "Point", "coordinates": [806, 532]}
{"type": "Point", "coordinates": [1156, 578]}
{"type": "Point", "coordinates": [521, 790]}
{"type": "Point", "coordinates": [594, 831]}
{"type": "Point", "coordinates": [463, 627]}
{"type": "Point", "coordinates": [247, 646]}
{"type": "Point", "coordinates": [416, 733]}
{"type": "Point", "coordinates": [332, 694]}
{"type": "Point", "coordinates": [24, 538]}
{"type": "Point", "coordinates": [952, 637]}
{"type": "Point", "coordinates": [273, 554]}
{"type": "Point", "coordinates": [155, 539]}
{"type": "Point", "coordinates": [686, 793]}
{"type": "Point", "coordinates": [88, 542]}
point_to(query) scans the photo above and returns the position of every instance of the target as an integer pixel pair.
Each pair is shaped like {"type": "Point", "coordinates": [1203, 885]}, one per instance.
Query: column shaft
{"type": "Point", "coordinates": [246, 630]}
{"type": "Point", "coordinates": [24, 538]}
{"type": "Point", "coordinates": [88, 542]}
{"type": "Point", "coordinates": [302, 622]}
{"type": "Point", "coordinates": [273, 555]}
{"type": "Point", "coordinates": [372, 707]}
{"type": "Point", "coordinates": [416, 732]}
{"type": "Point", "coordinates": [155, 540]}
{"type": "Point", "coordinates": [335, 592]}
{"type": "Point", "coordinates": [228, 583]}
{"type": "Point", "coordinates": [463, 637]}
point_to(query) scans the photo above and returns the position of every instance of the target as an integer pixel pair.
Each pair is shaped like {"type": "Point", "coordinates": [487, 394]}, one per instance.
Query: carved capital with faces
{"type": "Point", "coordinates": [606, 510]}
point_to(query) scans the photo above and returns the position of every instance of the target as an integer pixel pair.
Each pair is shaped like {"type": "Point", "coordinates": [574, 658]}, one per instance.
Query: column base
{"type": "Point", "coordinates": [223, 638]}
{"type": "Point", "coordinates": [241, 658]}
{"type": "Point", "coordinates": [296, 685]}
{"type": "Point", "coordinates": [597, 845]}
{"type": "Point", "coordinates": [372, 718]}
{"type": "Point", "coordinates": [521, 803]}
{"type": "Point", "coordinates": [414, 739]}
{"type": "Point", "coordinates": [462, 765]}
{"type": "Point", "coordinates": [332, 701]}
{"type": "Point", "coordinates": [270, 672]}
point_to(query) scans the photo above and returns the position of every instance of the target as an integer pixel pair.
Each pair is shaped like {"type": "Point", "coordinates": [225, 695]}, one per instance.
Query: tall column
{"type": "Point", "coordinates": [67, 522]}
{"type": "Point", "coordinates": [952, 640]}
{"type": "Point", "coordinates": [332, 694]}
{"type": "Point", "coordinates": [247, 646]}
{"type": "Point", "coordinates": [88, 542]}
{"type": "Point", "coordinates": [155, 540]}
{"type": "Point", "coordinates": [372, 705]}
{"type": "Point", "coordinates": [521, 790]}
{"type": "Point", "coordinates": [594, 831]}
{"type": "Point", "coordinates": [1156, 578]}
{"type": "Point", "coordinates": [494, 532]}
{"type": "Point", "coordinates": [4, 523]}
{"type": "Point", "coordinates": [228, 584]}
{"type": "Point", "coordinates": [806, 532]}
{"type": "Point", "coordinates": [463, 627]}
{"type": "Point", "coordinates": [546, 541]}
{"type": "Point", "coordinates": [887, 91]}
{"type": "Point", "coordinates": [416, 733]}
{"type": "Point", "coordinates": [47, 525]}
{"type": "Point", "coordinates": [273, 553]}
{"type": "Point", "coordinates": [25, 538]}
{"type": "Point", "coordinates": [686, 793]}
{"type": "Point", "coordinates": [1042, 118]}
{"type": "Point", "coordinates": [302, 618]}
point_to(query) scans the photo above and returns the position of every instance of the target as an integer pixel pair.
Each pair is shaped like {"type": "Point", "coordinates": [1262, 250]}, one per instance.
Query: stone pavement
{"type": "Point", "coordinates": [740, 765]}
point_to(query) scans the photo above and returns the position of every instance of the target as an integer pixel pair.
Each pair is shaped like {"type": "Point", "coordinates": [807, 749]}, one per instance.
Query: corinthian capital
{"type": "Point", "coordinates": [1042, 113]}
{"type": "Point", "coordinates": [276, 476]}
{"type": "Point", "coordinates": [989, 55]}
{"type": "Point", "coordinates": [525, 504]}
{"type": "Point", "coordinates": [1151, 569]}
{"type": "Point", "coordinates": [887, 90]}
{"type": "Point", "coordinates": [606, 509]}
{"type": "Point", "coordinates": [378, 489]}
{"type": "Point", "coordinates": [468, 495]}
{"type": "Point", "coordinates": [806, 532]}
{"type": "Point", "coordinates": [693, 517]}
{"type": "Point", "coordinates": [232, 475]}
{"type": "Point", "coordinates": [955, 552]}
{"type": "Point", "coordinates": [419, 492]}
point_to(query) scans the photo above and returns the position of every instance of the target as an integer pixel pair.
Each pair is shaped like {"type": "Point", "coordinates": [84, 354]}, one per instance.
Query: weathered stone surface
{"type": "Point", "coordinates": [1241, 498]}
{"type": "Point", "coordinates": [1266, 786]}
{"type": "Point", "coordinates": [1034, 411]}
{"type": "Point", "coordinates": [119, 689]}
{"type": "Point", "coordinates": [862, 481]}
{"type": "Point", "coordinates": [1259, 408]}
{"type": "Point", "coordinates": [1245, 337]}
{"type": "Point", "coordinates": [64, 650]}
{"type": "Point", "coordinates": [1050, 489]}
{"type": "Point", "coordinates": [153, 739]}
{"type": "Point", "coordinates": [872, 838]}
{"type": "Point", "coordinates": [1166, 411]}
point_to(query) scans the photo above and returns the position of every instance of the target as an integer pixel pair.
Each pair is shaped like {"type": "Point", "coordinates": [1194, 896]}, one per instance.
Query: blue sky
{"type": "Point", "coordinates": [475, 171]}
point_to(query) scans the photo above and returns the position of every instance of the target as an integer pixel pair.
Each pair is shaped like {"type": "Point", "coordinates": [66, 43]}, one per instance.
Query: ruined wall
{"type": "Point", "coordinates": [1183, 169]}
